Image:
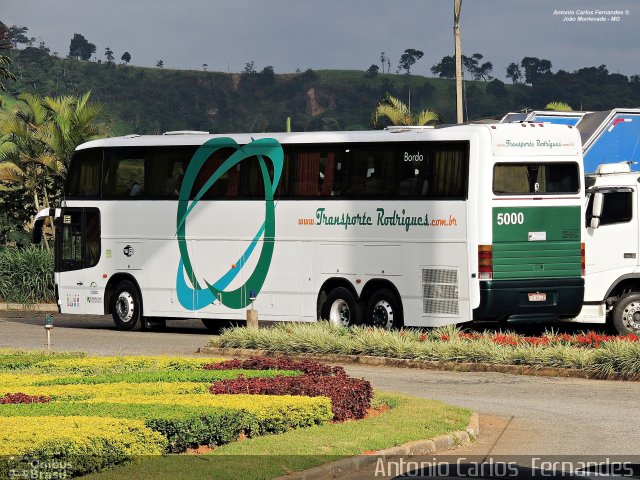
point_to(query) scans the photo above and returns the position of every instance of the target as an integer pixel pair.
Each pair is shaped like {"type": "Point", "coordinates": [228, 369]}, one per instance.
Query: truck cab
{"type": "Point", "coordinates": [612, 277]}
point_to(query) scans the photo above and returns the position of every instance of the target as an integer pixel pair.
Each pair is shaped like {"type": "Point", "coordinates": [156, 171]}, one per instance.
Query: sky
{"type": "Point", "coordinates": [293, 35]}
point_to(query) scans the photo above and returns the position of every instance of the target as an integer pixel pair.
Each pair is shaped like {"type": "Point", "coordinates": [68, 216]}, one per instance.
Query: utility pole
{"type": "Point", "coordinates": [457, 6]}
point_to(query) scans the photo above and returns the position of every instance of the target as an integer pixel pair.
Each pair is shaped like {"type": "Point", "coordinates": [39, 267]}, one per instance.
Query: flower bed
{"type": "Point", "coordinates": [167, 399]}
{"type": "Point", "coordinates": [598, 356]}
{"type": "Point", "coordinates": [588, 339]}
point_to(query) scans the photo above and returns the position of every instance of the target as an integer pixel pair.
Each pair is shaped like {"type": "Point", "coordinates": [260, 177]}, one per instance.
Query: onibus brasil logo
{"type": "Point", "coordinates": [191, 294]}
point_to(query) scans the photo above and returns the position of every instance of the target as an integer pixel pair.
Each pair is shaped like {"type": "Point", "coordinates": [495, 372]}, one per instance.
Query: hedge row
{"type": "Point", "coordinates": [108, 391]}
{"type": "Point", "coordinates": [86, 444]}
{"type": "Point", "coordinates": [350, 397]}
{"type": "Point", "coordinates": [189, 426]}
{"type": "Point", "coordinates": [308, 367]}
{"type": "Point", "coordinates": [168, 376]}
{"type": "Point", "coordinates": [118, 365]}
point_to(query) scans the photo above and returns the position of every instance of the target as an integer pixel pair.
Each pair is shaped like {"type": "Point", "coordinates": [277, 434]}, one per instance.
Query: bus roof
{"type": "Point", "coordinates": [443, 133]}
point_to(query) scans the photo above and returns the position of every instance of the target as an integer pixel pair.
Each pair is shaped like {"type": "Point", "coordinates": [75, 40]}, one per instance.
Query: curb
{"type": "Point", "coordinates": [426, 364]}
{"type": "Point", "coordinates": [419, 447]}
{"type": "Point", "coordinates": [29, 307]}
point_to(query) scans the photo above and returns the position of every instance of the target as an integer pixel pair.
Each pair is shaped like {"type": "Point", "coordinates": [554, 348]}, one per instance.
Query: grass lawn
{"type": "Point", "coordinates": [274, 455]}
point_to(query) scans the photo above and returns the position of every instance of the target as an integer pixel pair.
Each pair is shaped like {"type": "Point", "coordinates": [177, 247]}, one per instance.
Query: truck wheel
{"type": "Point", "coordinates": [125, 306]}
{"type": "Point", "coordinates": [626, 314]}
{"type": "Point", "coordinates": [340, 308]}
{"type": "Point", "coordinates": [383, 310]}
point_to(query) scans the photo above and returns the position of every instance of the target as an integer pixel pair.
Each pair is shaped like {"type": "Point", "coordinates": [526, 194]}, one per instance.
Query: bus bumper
{"type": "Point", "coordinates": [543, 299]}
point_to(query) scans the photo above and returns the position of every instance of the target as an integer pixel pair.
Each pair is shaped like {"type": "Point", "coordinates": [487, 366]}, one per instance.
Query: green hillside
{"type": "Point", "coordinates": [154, 100]}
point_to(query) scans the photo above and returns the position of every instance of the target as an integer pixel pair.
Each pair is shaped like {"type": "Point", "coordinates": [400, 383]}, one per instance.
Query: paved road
{"type": "Point", "coordinates": [522, 415]}
{"type": "Point", "coordinates": [97, 335]}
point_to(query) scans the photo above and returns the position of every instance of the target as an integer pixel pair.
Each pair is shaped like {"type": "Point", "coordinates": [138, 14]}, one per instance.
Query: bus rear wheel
{"type": "Point", "coordinates": [626, 314]}
{"type": "Point", "coordinates": [125, 306]}
{"type": "Point", "coordinates": [383, 310]}
{"type": "Point", "coordinates": [340, 308]}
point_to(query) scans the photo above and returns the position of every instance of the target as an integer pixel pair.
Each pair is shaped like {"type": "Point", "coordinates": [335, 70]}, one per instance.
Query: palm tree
{"type": "Point", "coordinates": [25, 157]}
{"type": "Point", "coordinates": [398, 113]}
{"type": "Point", "coordinates": [558, 107]}
{"type": "Point", "coordinates": [36, 144]}
{"type": "Point", "coordinates": [72, 121]}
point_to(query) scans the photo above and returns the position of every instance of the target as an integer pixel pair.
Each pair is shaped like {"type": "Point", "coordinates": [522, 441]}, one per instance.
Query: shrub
{"type": "Point", "coordinates": [15, 398]}
{"type": "Point", "coordinates": [350, 397]}
{"type": "Point", "coordinates": [119, 364]}
{"type": "Point", "coordinates": [86, 444]}
{"type": "Point", "coordinates": [107, 391]}
{"type": "Point", "coordinates": [26, 275]}
{"type": "Point", "coordinates": [273, 414]}
{"type": "Point", "coordinates": [307, 367]}
{"type": "Point", "coordinates": [188, 421]}
{"type": "Point", "coordinates": [167, 376]}
{"type": "Point", "coordinates": [210, 429]}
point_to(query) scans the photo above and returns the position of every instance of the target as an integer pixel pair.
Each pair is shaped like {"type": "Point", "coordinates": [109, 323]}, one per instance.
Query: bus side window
{"type": "Point", "coordinates": [124, 174]}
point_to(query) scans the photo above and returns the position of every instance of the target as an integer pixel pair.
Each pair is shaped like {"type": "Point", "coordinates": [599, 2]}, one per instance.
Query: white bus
{"type": "Point", "coordinates": [402, 227]}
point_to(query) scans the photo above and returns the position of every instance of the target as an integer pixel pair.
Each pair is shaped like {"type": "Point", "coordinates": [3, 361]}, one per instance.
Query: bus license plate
{"type": "Point", "coordinates": [537, 297]}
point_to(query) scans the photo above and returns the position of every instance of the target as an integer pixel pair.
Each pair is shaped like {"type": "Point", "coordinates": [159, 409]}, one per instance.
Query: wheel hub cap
{"type": "Point", "coordinates": [382, 314]}
{"type": "Point", "coordinates": [340, 313]}
{"type": "Point", "coordinates": [124, 306]}
{"type": "Point", "coordinates": [631, 316]}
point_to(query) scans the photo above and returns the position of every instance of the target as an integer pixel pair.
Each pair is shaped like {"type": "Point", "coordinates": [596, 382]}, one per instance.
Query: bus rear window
{"type": "Point", "coordinates": [536, 178]}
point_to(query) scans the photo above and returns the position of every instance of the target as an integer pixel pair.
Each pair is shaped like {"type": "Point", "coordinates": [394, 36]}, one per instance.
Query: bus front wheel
{"type": "Point", "coordinates": [125, 306]}
{"type": "Point", "coordinates": [340, 308]}
{"type": "Point", "coordinates": [383, 310]}
{"type": "Point", "coordinates": [626, 314]}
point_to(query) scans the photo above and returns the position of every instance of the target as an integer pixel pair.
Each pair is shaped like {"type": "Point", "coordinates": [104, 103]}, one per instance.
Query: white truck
{"type": "Point", "coordinates": [612, 280]}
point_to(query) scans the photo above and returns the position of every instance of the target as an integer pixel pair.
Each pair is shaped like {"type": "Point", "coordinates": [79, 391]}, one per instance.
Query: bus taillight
{"type": "Point", "coordinates": [583, 262]}
{"type": "Point", "coordinates": [485, 262]}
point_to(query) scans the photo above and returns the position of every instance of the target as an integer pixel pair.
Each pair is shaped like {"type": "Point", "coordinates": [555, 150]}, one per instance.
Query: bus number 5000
{"type": "Point", "coordinates": [511, 218]}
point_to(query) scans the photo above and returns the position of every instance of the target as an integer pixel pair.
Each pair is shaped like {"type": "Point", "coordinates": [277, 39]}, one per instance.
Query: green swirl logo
{"type": "Point", "coordinates": [191, 294]}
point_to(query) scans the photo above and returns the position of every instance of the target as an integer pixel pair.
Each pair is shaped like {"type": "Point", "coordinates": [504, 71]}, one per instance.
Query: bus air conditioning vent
{"type": "Point", "coordinates": [440, 291]}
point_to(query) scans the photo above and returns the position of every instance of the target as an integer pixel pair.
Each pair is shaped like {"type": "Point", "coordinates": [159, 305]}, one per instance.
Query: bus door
{"type": "Point", "coordinates": [77, 248]}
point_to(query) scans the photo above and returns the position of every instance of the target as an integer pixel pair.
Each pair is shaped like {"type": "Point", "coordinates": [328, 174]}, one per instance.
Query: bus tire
{"type": "Point", "coordinates": [383, 310]}
{"type": "Point", "coordinates": [126, 306]}
{"type": "Point", "coordinates": [626, 314]}
{"type": "Point", "coordinates": [341, 308]}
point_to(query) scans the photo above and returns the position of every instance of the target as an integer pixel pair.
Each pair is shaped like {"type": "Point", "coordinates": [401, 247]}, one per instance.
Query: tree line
{"type": "Point", "coordinates": [36, 145]}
